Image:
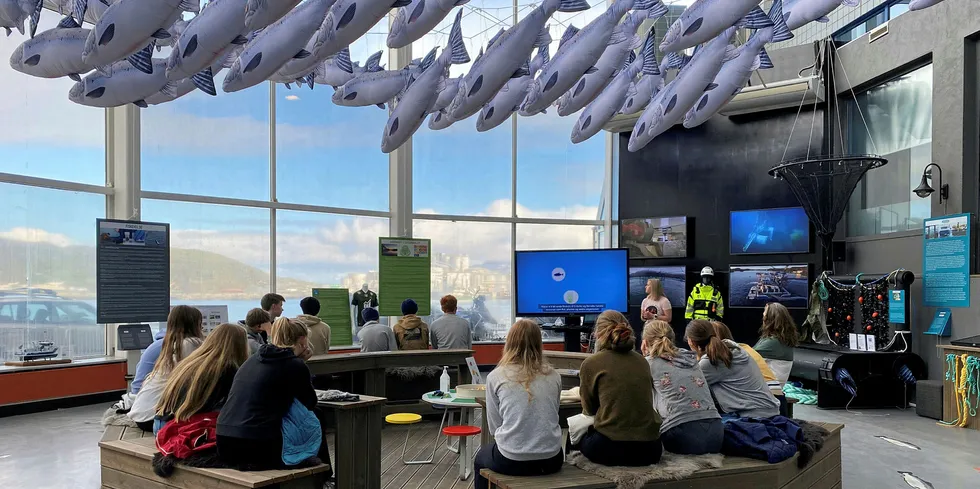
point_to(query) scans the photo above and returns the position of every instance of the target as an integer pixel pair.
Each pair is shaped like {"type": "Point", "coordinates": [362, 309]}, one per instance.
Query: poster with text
{"type": "Point", "coordinates": [132, 271]}
{"type": "Point", "coordinates": [405, 268]}
{"type": "Point", "coordinates": [213, 316]}
{"type": "Point", "coordinates": [335, 311]}
{"type": "Point", "coordinates": [946, 261]}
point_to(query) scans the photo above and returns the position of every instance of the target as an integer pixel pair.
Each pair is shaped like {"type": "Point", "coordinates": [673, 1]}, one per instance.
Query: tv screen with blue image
{"type": "Point", "coordinates": [764, 231]}
{"type": "Point", "coordinates": [758, 285]}
{"type": "Point", "coordinates": [571, 282]}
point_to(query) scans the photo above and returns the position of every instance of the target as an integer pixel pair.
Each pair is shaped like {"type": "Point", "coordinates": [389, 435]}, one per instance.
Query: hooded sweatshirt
{"type": "Point", "coordinates": [680, 392]}
{"type": "Point", "coordinates": [739, 389]}
{"type": "Point", "coordinates": [263, 391]}
{"type": "Point", "coordinates": [147, 359]}
{"type": "Point", "coordinates": [255, 338]}
{"type": "Point", "coordinates": [375, 336]}
{"type": "Point", "coordinates": [319, 336]}
{"type": "Point", "coordinates": [411, 333]}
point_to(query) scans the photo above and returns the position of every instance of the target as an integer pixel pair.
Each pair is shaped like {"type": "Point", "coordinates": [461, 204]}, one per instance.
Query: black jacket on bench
{"type": "Point", "coordinates": [263, 391]}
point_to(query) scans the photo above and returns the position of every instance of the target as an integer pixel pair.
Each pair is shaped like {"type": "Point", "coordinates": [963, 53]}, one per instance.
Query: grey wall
{"type": "Point", "coordinates": [945, 35]}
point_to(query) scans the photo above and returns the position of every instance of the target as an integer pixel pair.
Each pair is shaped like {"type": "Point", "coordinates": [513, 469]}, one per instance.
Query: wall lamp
{"type": "Point", "coordinates": [925, 189]}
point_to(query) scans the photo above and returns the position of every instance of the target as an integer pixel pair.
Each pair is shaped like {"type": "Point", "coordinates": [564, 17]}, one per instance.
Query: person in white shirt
{"type": "Point", "coordinates": [655, 305]}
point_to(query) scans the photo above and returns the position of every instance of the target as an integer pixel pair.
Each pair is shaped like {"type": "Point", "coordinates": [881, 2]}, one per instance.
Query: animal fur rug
{"type": "Point", "coordinates": [412, 373]}
{"type": "Point", "coordinates": [671, 467]}
{"type": "Point", "coordinates": [112, 417]}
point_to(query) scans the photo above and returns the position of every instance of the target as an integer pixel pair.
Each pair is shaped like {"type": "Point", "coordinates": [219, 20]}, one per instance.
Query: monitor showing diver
{"type": "Point", "coordinates": [785, 230]}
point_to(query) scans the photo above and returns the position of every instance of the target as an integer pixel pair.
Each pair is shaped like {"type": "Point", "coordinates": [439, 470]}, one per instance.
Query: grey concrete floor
{"type": "Point", "coordinates": [59, 449]}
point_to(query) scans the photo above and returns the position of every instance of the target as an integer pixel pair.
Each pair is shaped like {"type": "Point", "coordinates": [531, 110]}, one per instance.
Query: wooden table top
{"type": "Point", "coordinates": [365, 401]}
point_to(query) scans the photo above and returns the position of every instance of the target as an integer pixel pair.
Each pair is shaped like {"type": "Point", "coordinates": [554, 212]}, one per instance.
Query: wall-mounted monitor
{"type": "Point", "coordinates": [758, 285]}
{"type": "Point", "coordinates": [570, 282]}
{"type": "Point", "coordinates": [672, 279]}
{"type": "Point", "coordinates": [654, 237]}
{"type": "Point", "coordinates": [763, 231]}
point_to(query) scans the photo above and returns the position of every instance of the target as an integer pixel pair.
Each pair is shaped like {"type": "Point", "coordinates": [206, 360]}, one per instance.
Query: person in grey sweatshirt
{"type": "Point", "coordinates": [735, 380]}
{"type": "Point", "coordinates": [691, 424]}
{"type": "Point", "coordinates": [523, 393]}
{"type": "Point", "coordinates": [374, 335]}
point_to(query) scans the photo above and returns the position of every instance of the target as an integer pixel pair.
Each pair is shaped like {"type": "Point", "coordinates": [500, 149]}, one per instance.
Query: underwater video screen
{"type": "Point", "coordinates": [672, 279]}
{"type": "Point", "coordinates": [758, 285]}
{"type": "Point", "coordinates": [761, 231]}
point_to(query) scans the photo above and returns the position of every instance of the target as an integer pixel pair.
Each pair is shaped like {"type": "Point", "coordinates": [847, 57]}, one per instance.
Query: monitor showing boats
{"type": "Point", "coordinates": [758, 285]}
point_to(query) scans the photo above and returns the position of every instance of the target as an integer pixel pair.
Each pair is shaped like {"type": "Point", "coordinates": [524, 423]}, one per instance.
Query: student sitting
{"type": "Point", "coordinates": [726, 334]}
{"type": "Point", "coordinates": [319, 330]}
{"type": "Point", "coordinates": [735, 380]}
{"type": "Point", "coordinates": [778, 337]}
{"type": "Point", "coordinates": [250, 425]}
{"type": "Point", "coordinates": [523, 393]}
{"type": "Point", "coordinates": [691, 424]}
{"type": "Point", "coordinates": [374, 335]}
{"type": "Point", "coordinates": [184, 335]}
{"type": "Point", "coordinates": [411, 332]}
{"type": "Point", "coordinates": [450, 331]}
{"type": "Point", "coordinates": [257, 325]}
{"type": "Point", "coordinates": [198, 388]}
{"type": "Point", "coordinates": [615, 388]}
{"type": "Point", "coordinates": [147, 359]}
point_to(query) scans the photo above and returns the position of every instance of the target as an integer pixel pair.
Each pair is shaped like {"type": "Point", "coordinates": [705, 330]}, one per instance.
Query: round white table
{"type": "Point", "coordinates": [466, 407]}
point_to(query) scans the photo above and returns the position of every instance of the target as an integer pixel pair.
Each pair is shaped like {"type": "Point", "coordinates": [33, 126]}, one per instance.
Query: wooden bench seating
{"type": "Point", "coordinates": [126, 454]}
{"type": "Point", "coordinates": [823, 472]}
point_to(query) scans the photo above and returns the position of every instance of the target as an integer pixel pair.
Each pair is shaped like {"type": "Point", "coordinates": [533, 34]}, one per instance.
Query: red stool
{"type": "Point", "coordinates": [465, 459]}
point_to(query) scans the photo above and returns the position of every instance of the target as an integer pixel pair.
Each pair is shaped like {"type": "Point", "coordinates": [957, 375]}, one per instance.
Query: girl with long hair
{"type": "Point", "coordinates": [184, 335]}
{"type": "Point", "coordinates": [523, 393]}
{"type": "Point", "coordinates": [251, 433]}
{"type": "Point", "coordinates": [723, 332]}
{"type": "Point", "coordinates": [615, 387]}
{"type": "Point", "coordinates": [691, 424]}
{"type": "Point", "coordinates": [735, 380]}
{"type": "Point", "coordinates": [777, 338]}
{"type": "Point", "coordinates": [656, 305]}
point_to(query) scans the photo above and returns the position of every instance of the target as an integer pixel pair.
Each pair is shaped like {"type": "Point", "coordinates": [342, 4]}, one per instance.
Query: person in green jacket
{"type": "Point", "coordinates": [705, 301]}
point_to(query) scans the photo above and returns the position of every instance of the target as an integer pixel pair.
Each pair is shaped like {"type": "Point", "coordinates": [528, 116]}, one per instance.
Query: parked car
{"type": "Point", "coordinates": [28, 315]}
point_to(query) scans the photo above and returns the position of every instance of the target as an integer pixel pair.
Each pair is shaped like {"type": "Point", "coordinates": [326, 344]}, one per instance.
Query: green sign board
{"type": "Point", "coordinates": [335, 311]}
{"type": "Point", "coordinates": [405, 267]}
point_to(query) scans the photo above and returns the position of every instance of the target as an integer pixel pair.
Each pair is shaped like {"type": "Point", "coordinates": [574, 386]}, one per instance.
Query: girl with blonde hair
{"type": "Point", "coordinates": [656, 305]}
{"type": "Point", "coordinates": [523, 393]}
{"type": "Point", "coordinates": [691, 423]}
{"type": "Point", "coordinates": [615, 387]}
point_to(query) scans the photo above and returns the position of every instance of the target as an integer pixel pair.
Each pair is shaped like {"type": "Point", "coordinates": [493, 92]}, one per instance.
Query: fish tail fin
{"type": "Point", "coordinates": [456, 45]}
{"type": "Point", "coordinates": [649, 54]}
{"type": "Point", "coordinates": [143, 59]}
{"type": "Point", "coordinates": [573, 5]}
{"type": "Point", "coordinates": [342, 60]}
{"type": "Point", "coordinates": [78, 8]}
{"type": "Point", "coordinates": [193, 6]}
{"type": "Point", "coordinates": [654, 8]}
{"type": "Point", "coordinates": [569, 33]}
{"type": "Point", "coordinates": [676, 61]}
{"type": "Point", "coordinates": [204, 81]}
{"type": "Point", "coordinates": [780, 31]}
{"type": "Point", "coordinates": [36, 15]}
{"type": "Point", "coordinates": [755, 19]}
{"type": "Point", "coordinates": [765, 62]}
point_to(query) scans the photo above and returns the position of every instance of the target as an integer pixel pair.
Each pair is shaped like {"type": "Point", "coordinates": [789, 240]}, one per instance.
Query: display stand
{"type": "Point", "coordinates": [572, 329]}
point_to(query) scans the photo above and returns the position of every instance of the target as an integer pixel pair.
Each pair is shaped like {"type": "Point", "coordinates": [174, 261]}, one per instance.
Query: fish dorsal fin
{"type": "Point", "coordinates": [780, 31]}
{"type": "Point", "coordinates": [427, 60]}
{"type": "Point", "coordinates": [68, 23]}
{"type": "Point", "coordinates": [342, 61]}
{"type": "Point", "coordinates": [764, 61]}
{"type": "Point", "coordinates": [568, 35]}
{"type": "Point", "coordinates": [373, 63]}
{"type": "Point", "coordinates": [495, 37]}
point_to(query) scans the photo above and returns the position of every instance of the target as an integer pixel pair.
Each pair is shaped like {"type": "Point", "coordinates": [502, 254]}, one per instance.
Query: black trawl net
{"type": "Point", "coordinates": [823, 185]}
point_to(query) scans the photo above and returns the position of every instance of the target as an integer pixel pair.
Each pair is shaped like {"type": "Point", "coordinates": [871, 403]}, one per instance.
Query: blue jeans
{"type": "Point", "coordinates": [695, 437]}
{"type": "Point", "coordinates": [158, 424]}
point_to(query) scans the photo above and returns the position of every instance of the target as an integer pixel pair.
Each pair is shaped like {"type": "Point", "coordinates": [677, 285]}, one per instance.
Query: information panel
{"type": "Point", "coordinates": [405, 268]}
{"type": "Point", "coordinates": [132, 271]}
{"type": "Point", "coordinates": [946, 261]}
{"type": "Point", "coordinates": [335, 311]}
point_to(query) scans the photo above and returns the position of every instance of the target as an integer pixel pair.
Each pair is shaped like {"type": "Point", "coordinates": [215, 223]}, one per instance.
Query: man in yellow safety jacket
{"type": "Point", "coordinates": [705, 301]}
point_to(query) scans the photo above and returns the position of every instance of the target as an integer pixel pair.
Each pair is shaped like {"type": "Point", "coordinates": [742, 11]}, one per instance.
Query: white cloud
{"type": "Point", "coordinates": [34, 235]}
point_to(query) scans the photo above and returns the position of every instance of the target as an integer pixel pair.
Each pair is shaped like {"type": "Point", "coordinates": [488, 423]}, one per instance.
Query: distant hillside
{"type": "Point", "coordinates": [194, 273]}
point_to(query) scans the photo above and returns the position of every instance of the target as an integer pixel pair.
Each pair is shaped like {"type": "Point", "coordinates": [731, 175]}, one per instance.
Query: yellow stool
{"type": "Point", "coordinates": [409, 419]}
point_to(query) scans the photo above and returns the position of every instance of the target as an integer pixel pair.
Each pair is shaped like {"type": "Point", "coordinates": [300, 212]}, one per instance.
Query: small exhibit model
{"type": "Point", "coordinates": [36, 350]}
{"type": "Point", "coordinates": [655, 237]}
{"type": "Point", "coordinates": [758, 285]}
{"type": "Point", "coordinates": [361, 299]}
{"type": "Point", "coordinates": [570, 283]}
{"type": "Point", "coordinates": [762, 231]}
{"type": "Point", "coordinates": [705, 301]}
{"type": "Point", "coordinates": [672, 279]}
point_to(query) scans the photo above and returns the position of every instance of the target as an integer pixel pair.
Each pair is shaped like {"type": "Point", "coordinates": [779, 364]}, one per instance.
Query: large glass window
{"type": "Point", "coordinates": [47, 271]}
{"type": "Point", "coordinates": [556, 237]}
{"type": "Point", "coordinates": [899, 127]}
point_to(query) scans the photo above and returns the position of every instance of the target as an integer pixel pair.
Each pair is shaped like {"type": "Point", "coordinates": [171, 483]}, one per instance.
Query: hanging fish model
{"type": "Point", "coordinates": [588, 87]}
{"type": "Point", "coordinates": [736, 72]}
{"type": "Point", "coordinates": [504, 58]}
{"type": "Point", "coordinates": [605, 106]}
{"type": "Point", "coordinates": [640, 92]}
{"type": "Point", "coordinates": [129, 25]}
{"type": "Point", "coordinates": [508, 99]}
{"type": "Point", "coordinates": [373, 88]}
{"type": "Point", "coordinates": [53, 53]}
{"type": "Point", "coordinates": [448, 92]}
{"type": "Point", "coordinates": [423, 90]}
{"type": "Point", "coordinates": [347, 21]}
{"type": "Point", "coordinates": [921, 4]}
{"type": "Point", "coordinates": [329, 73]}
{"type": "Point", "coordinates": [704, 20]}
{"type": "Point", "coordinates": [127, 85]}
{"type": "Point", "coordinates": [275, 45]}
{"type": "Point", "coordinates": [805, 11]}
{"type": "Point", "coordinates": [263, 13]}
{"type": "Point", "coordinates": [417, 19]}
{"type": "Point", "coordinates": [578, 55]}
{"type": "Point", "coordinates": [89, 10]}
{"type": "Point", "coordinates": [671, 104]}
{"type": "Point", "coordinates": [175, 30]}
{"type": "Point", "coordinates": [204, 40]}
{"type": "Point", "coordinates": [188, 85]}
{"type": "Point", "coordinates": [13, 13]}
{"type": "Point", "coordinates": [441, 119]}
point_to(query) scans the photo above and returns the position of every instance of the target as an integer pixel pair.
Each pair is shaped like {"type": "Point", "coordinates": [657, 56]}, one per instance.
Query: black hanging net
{"type": "Point", "coordinates": [823, 185]}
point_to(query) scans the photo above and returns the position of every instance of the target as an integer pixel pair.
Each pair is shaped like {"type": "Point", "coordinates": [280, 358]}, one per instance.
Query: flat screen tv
{"type": "Point", "coordinates": [571, 282]}
{"type": "Point", "coordinates": [764, 231]}
{"type": "Point", "coordinates": [654, 237]}
{"type": "Point", "coordinates": [672, 279]}
{"type": "Point", "coordinates": [758, 285]}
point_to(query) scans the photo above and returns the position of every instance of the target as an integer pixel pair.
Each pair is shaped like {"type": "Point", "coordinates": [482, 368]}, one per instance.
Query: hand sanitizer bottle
{"type": "Point", "coordinates": [444, 380]}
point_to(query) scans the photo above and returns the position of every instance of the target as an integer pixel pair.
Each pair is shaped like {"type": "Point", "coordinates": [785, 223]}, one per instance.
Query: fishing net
{"type": "Point", "coordinates": [823, 185]}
